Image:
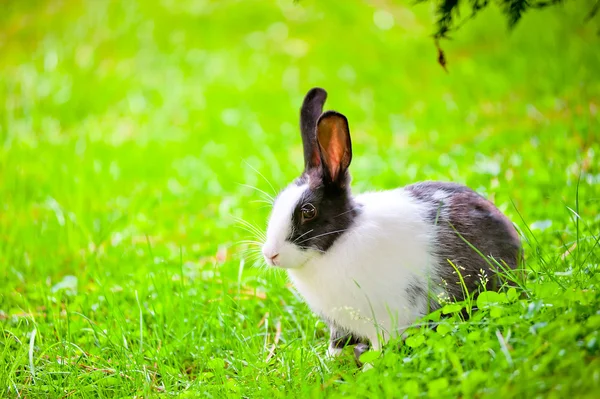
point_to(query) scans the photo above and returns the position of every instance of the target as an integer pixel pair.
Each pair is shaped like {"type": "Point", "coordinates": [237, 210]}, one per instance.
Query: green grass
{"type": "Point", "coordinates": [128, 131]}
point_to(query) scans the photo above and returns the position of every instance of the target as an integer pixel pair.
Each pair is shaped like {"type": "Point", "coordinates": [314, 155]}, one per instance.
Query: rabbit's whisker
{"type": "Point", "coordinates": [302, 235]}
{"type": "Point", "coordinates": [251, 228]}
{"type": "Point", "coordinates": [271, 199]}
{"type": "Point", "coordinates": [345, 212]}
{"type": "Point", "coordinates": [322, 235]}
{"type": "Point", "coordinates": [261, 175]}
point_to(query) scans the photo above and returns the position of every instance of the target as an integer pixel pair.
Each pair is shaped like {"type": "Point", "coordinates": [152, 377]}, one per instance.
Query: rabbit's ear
{"type": "Point", "coordinates": [335, 147]}
{"type": "Point", "coordinates": [312, 107]}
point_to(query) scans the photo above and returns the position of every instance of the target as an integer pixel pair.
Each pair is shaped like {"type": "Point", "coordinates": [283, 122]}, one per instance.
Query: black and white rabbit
{"type": "Point", "coordinates": [373, 263]}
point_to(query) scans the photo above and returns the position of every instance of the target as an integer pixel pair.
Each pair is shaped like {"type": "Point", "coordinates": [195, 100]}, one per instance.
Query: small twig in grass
{"type": "Point", "coordinates": [105, 371]}
{"type": "Point", "coordinates": [31, 346]}
{"type": "Point", "coordinates": [262, 321]}
{"type": "Point", "coordinates": [16, 390]}
{"type": "Point", "coordinates": [110, 371]}
{"type": "Point", "coordinates": [568, 251]}
{"type": "Point", "coordinates": [275, 342]}
{"type": "Point", "coordinates": [504, 348]}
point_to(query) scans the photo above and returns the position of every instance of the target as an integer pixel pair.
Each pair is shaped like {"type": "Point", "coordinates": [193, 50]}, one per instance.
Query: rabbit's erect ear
{"type": "Point", "coordinates": [312, 107]}
{"type": "Point", "coordinates": [335, 147]}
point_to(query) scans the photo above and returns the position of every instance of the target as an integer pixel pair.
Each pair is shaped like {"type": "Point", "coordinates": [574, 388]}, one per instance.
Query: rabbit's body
{"type": "Point", "coordinates": [372, 264]}
{"type": "Point", "coordinates": [390, 265]}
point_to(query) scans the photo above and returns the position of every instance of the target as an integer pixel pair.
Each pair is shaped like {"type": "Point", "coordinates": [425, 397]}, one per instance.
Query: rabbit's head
{"type": "Point", "coordinates": [317, 208]}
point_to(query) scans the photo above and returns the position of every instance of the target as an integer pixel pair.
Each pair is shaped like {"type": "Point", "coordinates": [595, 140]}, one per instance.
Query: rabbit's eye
{"type": "Point", "coordinates": [309, 212]}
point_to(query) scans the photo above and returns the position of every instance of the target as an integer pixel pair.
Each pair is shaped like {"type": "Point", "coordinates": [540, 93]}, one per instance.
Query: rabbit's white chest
{"type": "Point", "coordinates": [366, 281]}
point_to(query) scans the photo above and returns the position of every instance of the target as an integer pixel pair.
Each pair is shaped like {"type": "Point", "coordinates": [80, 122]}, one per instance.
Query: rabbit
{"type": "Point", "coordinates": [372, 264]}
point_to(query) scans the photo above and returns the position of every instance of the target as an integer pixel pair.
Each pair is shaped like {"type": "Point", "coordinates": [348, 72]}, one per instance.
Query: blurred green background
{"type": "Point", "coordinates": [130, 131]}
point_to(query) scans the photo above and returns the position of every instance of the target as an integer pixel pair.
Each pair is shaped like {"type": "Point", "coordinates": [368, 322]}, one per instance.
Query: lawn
{"type": "Point", "coordinates": [138, 140]}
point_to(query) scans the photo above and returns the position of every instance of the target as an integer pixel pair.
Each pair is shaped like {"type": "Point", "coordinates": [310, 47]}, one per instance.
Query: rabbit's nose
{"type": "Point", "coordinates": [272, 259]}
{"type": "Point", "coordinates": [270, 255]}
